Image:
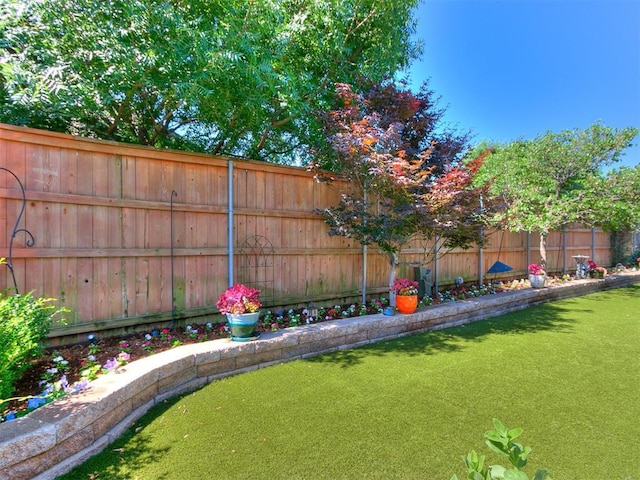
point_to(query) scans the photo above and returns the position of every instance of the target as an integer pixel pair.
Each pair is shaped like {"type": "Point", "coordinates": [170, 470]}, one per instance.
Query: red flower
{"type": "Point", "coordinates": [239, 299]}
{"type": "Point", "coordinates": [535, 269]}
{"type": "Point", "coordinates": [404, 286]}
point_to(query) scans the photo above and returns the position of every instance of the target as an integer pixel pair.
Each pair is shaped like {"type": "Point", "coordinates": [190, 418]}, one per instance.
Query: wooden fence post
{"type": "Point", "coordinates": [230, 223]}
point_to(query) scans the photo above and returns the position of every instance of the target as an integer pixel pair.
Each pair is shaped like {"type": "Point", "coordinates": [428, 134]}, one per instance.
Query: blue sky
{"type": "Point", "coordinates": [508, 69]}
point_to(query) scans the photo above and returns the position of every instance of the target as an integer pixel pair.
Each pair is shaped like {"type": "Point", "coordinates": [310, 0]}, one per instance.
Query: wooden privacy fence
{"type": "Point", "coordinates": [127, 236]}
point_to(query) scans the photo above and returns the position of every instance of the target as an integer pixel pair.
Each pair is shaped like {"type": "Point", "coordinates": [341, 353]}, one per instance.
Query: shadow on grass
{"type": "Point", "coordinates": [534, 319]}
{"type": "Point", "coordinates": [630, 291]}
{"type": "Point", "coordinates": [129, 453]}
{"type": "Point", "coordinates": [537, 318]}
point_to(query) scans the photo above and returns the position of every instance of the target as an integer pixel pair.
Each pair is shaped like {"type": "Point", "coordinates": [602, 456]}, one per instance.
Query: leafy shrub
{"type": "Point", "coordinates": [501, 441]}
{"type": "Point", "coordinates": [24, 324]}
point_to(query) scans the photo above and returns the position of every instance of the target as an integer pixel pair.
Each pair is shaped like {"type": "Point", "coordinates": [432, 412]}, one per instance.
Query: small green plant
{"type": "Point", "coordinates": [24, 324]}
{"type": "Point", "coordinates": [124, 346]}
{"type": "Point", "coordinates": [165, 335]}
{"type": "Point", "coordinates": [501, 441]}
{"type": "Point", "coordinates": [148, 345]}
{"type": "Point", "coordinates": [294, 318]}
{"type": "Point", "coordinates": [60, 367]}
{"type": "Point", "coordinates": [90, 366]}
{"type": "Point", "coordinates": [55, 385]}
{"type": "Point", "coordinates": [195, 334]}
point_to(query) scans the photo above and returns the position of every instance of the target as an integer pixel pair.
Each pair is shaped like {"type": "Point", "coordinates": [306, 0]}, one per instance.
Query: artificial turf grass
{"type": "Point", "coordinates": [567, 372]}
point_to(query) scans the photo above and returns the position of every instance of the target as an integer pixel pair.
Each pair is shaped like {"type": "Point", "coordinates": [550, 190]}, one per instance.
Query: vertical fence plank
{"type": "Point", "coordinates": [142, 301]}
{"type": "Point", "coordinates": [68, 221]}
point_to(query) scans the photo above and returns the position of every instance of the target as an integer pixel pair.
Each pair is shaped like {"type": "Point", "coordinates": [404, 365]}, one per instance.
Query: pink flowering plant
{"type": "Point", "coordinates": [596, 271]}
{"type": "Point", "coordinates": [535, 269]}
{"type": "Point", "coordinates": [404, 287]}
{"type": "Point", "coordinates": [239, 299]}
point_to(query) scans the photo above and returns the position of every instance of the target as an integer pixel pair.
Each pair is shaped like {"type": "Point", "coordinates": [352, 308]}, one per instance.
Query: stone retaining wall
{"type": "Point", "coordinates": [54, 438]}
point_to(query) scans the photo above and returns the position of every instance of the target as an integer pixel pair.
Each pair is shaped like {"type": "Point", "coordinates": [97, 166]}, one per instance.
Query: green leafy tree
{"type": "Point", "coordinates": [617, 195]}
{"type": "Point", "coordinates": [231, 77]}
{"type": "Point", "coordinates": [557, 178]}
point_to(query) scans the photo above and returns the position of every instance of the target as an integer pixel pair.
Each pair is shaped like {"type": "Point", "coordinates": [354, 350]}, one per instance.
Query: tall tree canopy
{"type": "Point", "coordinates": [406, 178]}
{"type": "Point", "coordinates": [390, 106]}
{"type": "Point", "coordinates": [558, 178]}
{"type": "Point", "coordinates": [235, 77]}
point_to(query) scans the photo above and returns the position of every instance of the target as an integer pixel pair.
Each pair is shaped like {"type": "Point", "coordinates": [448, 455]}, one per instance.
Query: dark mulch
{"type": "Point", "coordinates": [107, 349]}
{"type": "Point", "coordinates": [30, 383]}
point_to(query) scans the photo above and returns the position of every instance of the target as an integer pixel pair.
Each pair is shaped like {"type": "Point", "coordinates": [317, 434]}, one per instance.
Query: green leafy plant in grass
{"type": "Point", "coordinates": [501, 441]}
{"type": "Point", "coordinates": [24, 324]}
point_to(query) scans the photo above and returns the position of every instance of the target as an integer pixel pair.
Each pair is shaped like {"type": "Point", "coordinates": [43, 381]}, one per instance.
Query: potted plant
{"type": "Point", "coordinates": [406, 292]}
{"type": "Point", "coordinates": [596, 271]}
{"type": "Point", "coordinates": [240, 304]}
{"type": "Point", "coordinates": [537, 275]}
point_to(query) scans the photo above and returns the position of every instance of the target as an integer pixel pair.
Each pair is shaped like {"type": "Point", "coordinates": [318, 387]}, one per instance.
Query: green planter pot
{"type": "Point", "coordinates": [243, 326]}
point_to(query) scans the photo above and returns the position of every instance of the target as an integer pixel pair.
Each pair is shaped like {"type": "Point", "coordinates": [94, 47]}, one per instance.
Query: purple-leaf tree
{"type": "Point", "coordinates": [405, 175]}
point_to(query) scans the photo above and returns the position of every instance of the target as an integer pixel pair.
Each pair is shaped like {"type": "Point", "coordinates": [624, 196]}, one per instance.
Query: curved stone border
{"type": "Point", "coordinates": [51, 440]}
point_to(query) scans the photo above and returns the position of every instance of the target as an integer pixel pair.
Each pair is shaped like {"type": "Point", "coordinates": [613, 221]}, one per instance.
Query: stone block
{"type": "Point", "coordinates": [24, 438]}
{"type": "Point", "coordinates": [206, 356]}
{"type": "Point", "coordinates": [182, 388]}
{"type": "Point", "coordinates": [176, 379]}
{"type": "Point", "coordinates": [40, 463]}
{"type": "Point", "coordinates": [356, 338]}
{"type": "Point", "coordinates": [235, 349]}
{"type": "Point", "coordinates": [259, 358]}
{"type": "Point", "coordinates": [175, 364]}
{"type": "Point", "coordinates": [216, 367]}
{"type": "Point", "coordinates": [111, 418]}
{"type": "Point", "coordinates": [142, 397]}
{"type": "Point", "coordinates": [119, 429]}
{"type": "Point", "coordinates": [68, 463]}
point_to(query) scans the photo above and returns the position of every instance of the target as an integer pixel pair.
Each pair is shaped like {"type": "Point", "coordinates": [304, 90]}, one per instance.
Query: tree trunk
{"type": "Point", "coordinates": [393, 260]}
{"type": "Point", "coordinates": [621, 246]}
{"type": "Point", "coordinates": [543, 249]}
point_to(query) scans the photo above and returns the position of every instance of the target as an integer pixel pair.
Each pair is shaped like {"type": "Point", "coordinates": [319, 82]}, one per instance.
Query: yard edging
{"type": "Point", "coordinates": [51, 440]}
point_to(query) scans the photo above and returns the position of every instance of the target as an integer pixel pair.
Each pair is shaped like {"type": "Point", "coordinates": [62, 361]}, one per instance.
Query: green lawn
{"type": "Point", "coordinates": [567, 372]}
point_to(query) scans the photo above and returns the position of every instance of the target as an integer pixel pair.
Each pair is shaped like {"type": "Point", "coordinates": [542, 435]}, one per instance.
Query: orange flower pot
{"type": "Point", "coordinates": [406, 303]}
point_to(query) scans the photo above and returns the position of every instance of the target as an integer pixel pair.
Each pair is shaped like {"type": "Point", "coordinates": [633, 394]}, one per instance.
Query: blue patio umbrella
{"type": "Point", "coordinates": [499, 267]}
